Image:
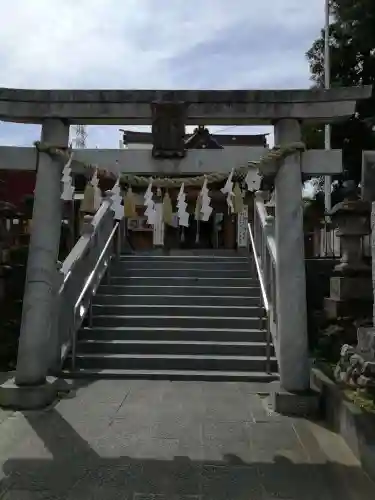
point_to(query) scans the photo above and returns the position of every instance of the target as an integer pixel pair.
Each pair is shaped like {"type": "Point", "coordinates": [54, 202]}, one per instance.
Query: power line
{"type": "Point", "coordinates": [224, 129]}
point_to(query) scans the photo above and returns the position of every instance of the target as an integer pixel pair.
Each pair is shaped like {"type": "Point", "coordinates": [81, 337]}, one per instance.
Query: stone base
{"type": "Point", "coordinates": [335, 308]}
{"type": "Point", "coordinates": [17, 397]}
{"type": "Point", "coordinates": [351, 288]}
{"type": "Point", "coordinates": [304, 404]}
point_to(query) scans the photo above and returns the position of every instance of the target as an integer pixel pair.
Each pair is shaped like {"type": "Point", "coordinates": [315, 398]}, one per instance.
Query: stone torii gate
{"type": "Point", "coordinates": [57, 110]}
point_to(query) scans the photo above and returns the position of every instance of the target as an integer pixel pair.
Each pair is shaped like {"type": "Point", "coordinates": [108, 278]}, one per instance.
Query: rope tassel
{"type": "Point", "coordinates": [87, 204]}
{"type": "Point", "coordinates": [167, 209]}
{"type": "Point", "coordinates": [129, 204]}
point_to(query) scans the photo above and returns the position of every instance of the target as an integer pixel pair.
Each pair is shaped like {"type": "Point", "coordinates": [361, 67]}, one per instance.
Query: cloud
{"type": "Point", "coordinates": [149, 44]}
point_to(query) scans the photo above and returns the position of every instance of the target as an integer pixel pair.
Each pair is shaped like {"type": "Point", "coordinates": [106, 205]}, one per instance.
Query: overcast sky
{"type": "Point", "coordinates": [161, 44]}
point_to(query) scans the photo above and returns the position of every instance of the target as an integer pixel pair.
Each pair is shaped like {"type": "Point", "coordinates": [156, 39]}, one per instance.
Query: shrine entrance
{"type": "Point", "coordinates": [198, 234]}
{"type": "Point", "coordinates": [167, 180]}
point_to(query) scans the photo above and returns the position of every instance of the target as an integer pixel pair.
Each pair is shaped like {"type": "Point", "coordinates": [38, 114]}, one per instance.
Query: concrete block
{"type": "Point", "coordinates": [28, 397]}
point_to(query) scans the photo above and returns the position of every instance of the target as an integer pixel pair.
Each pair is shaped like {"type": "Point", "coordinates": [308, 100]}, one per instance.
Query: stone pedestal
{"type": "Point", "coordinates": [293, 404]}
{"type": "Point", "coordinates": [349, 296]}
{"type": "Point", "coordinates": [19, 397]}
{"type": "Point", "coordinates": [41, 277]}
{"type": "Point", "coordinates": [350, 287]}
{"type": "Point", "coordinates": [304, 404]}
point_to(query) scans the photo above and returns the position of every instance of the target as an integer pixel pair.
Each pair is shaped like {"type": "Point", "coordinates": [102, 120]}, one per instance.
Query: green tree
{"type": "Point", "coordinates": [352, 51]}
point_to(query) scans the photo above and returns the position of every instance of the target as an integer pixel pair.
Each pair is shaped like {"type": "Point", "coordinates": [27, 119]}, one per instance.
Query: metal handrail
{"type": "Point", "coordinates": [65, 281]}
{"type": "Point", "coordinates": [266, 304]}
{"type": "Point", "coordinates": [262, 214]}
{"type": "Point", "coordinates": [96, 267]}
{"type": "Point", "coordinates": [265, 301]}
{"type": "Point", "coordinates": [86, 287]}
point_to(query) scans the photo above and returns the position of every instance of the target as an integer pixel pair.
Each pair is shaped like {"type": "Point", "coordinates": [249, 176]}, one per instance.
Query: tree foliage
{"type": "Point", "coordinates": [352, 53]}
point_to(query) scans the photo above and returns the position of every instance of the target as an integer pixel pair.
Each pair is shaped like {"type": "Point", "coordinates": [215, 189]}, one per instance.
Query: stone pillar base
{"type": "Point", "coordinates": [336, 308]}
{"type": "Point", "coordinates": [18, 397]}
{"type": "Point", "coordinates": [299, 404]}
{"type": "Point", "coordinates": [351, 287]}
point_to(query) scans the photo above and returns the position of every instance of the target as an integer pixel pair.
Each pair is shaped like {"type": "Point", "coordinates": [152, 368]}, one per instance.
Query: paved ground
{"type": "Point", "coordinates": [136, 440]}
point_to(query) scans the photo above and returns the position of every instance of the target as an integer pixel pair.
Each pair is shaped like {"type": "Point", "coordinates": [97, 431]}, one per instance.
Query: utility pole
{"type": "Point", "coordinates": [327, 84]}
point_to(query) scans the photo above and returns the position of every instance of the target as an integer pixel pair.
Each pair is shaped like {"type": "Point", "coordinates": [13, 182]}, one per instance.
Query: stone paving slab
{"type": "Point", "coordinates": [140, 440]}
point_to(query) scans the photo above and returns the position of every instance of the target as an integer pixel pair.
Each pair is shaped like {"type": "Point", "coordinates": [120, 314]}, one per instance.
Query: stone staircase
{"type": "Point", "coordinates": [181, 316]}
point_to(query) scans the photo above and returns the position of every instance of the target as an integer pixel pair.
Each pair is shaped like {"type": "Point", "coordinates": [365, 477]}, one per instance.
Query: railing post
{"type": "Point", "coordinates": [290, 268]}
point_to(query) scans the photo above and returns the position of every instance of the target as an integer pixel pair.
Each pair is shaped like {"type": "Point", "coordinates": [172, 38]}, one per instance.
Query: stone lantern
{"type": "Point", "coordinates": [351, 218]}
{"type": "Point", "coordinates": [350, 287]}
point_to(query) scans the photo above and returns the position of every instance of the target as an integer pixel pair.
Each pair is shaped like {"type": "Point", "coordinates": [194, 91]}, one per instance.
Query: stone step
{"type": "Point", "coordinates": [193, 375]}
{"type": "Point", "coordinates": [173, 362]}
{"type": "Point", "coordinates": [152, 333]}
{"type": "Point", "coordinates": [176, 310]}
{"type": "Point", "coordinates": [225, 264]}
{"type": "Point", "coordinates": [175, 273]}
{"type": "Point", "coordinates": [172, 347]}
{"type": "Point", "coordinates": [180, 289]}
{"type": "Point", "coordinates": [185, 321]}
{"type": "Point", "coordinates": [173, 299]}
{"type": "Point", "coordinates": [194, 255]}
{"type": "Point", "coordinates": [160, 280]}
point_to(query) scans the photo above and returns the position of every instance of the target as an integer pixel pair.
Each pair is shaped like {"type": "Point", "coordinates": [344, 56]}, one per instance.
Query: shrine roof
{"type": "Point", "coordinates": [136, 137]}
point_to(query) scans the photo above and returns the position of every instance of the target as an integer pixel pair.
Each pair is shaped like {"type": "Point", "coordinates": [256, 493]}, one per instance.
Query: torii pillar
{"type": "Point", "coordinates": [294, 396]}
{"type": "Point", "coordinates": [30, 388]}
{"type": "Point", "coordinates": [290, 269]}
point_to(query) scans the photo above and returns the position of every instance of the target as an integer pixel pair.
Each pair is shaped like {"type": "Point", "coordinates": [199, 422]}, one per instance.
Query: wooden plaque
{"type": "Point", "coordinates": [168, 129]}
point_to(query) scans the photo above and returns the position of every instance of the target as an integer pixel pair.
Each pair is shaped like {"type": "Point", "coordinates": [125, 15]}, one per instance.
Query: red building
{"type": "Point", "coordinates": [16, 185]}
